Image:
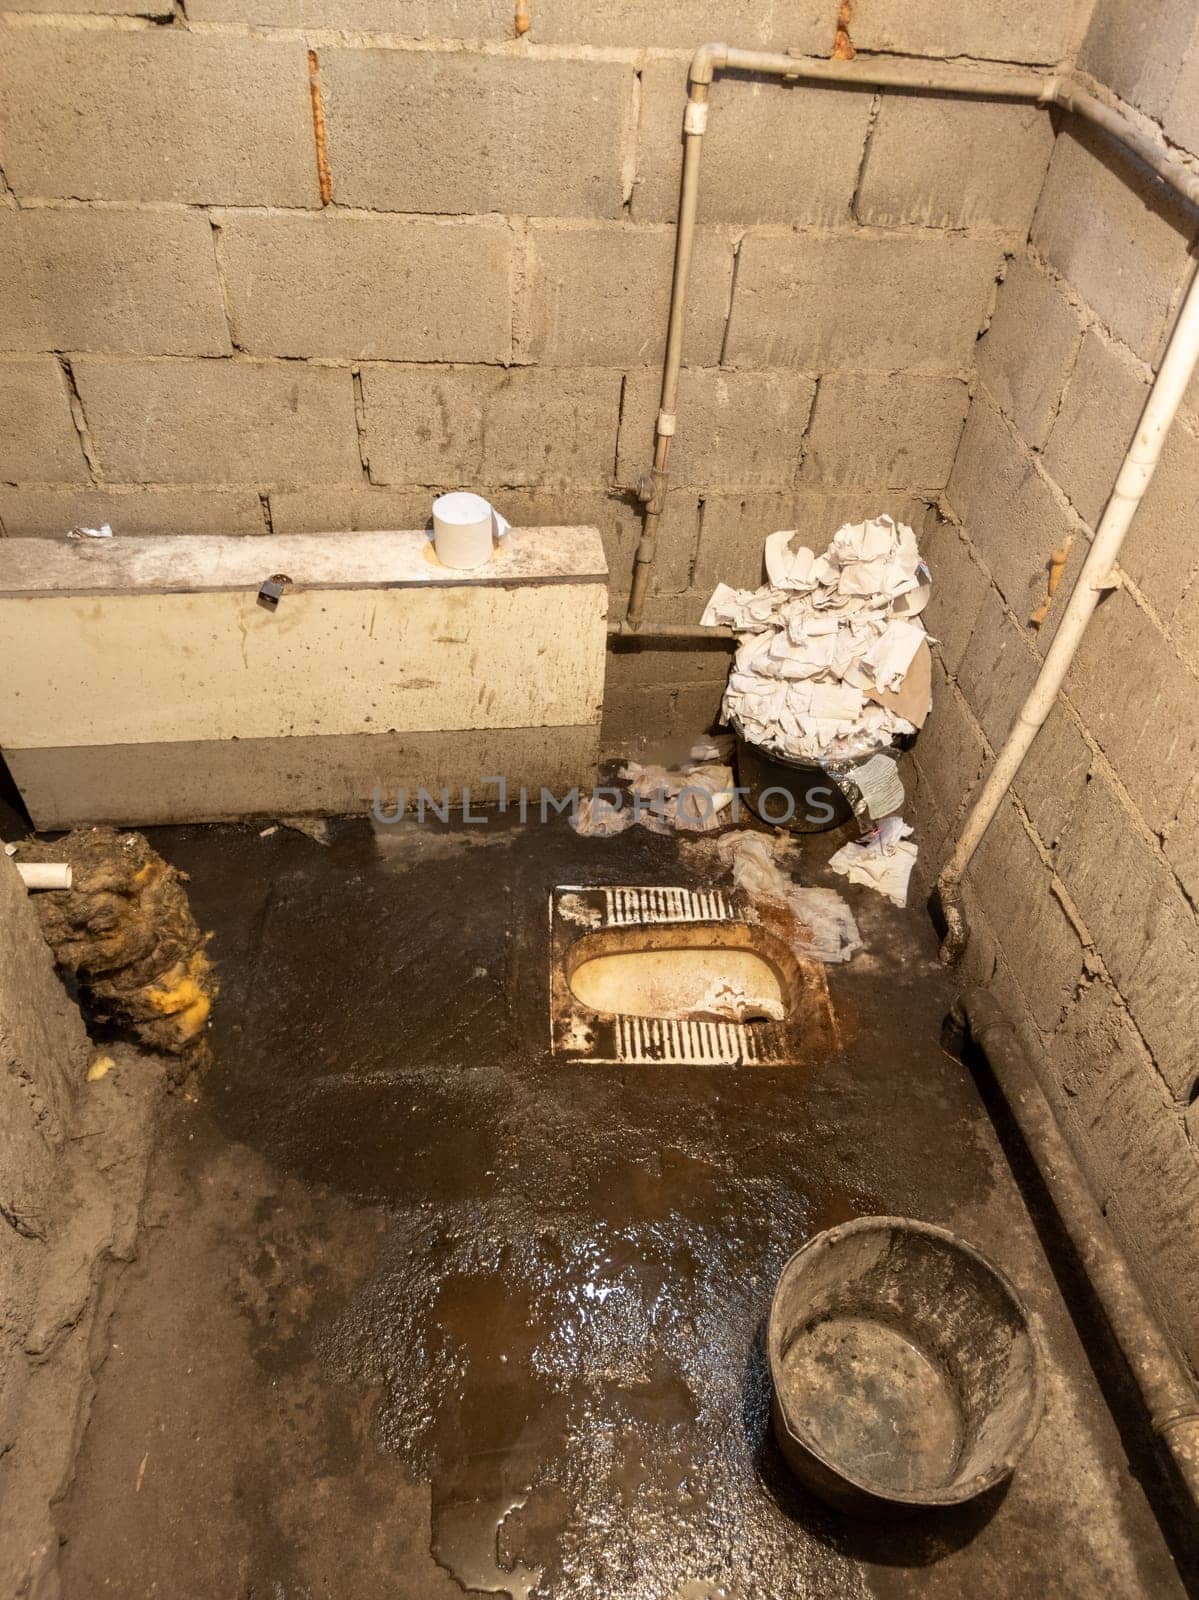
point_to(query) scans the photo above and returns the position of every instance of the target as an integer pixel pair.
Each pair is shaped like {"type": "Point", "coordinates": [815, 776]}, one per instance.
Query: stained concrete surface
{"type": "Point", "coordinates": [420, 1309]}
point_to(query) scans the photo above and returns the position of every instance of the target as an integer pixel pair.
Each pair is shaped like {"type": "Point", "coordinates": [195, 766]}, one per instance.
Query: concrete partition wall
{"type": "Point", "coordinates": [1082, 898]}
{"type": "Point", "coordinates": [219, 319]}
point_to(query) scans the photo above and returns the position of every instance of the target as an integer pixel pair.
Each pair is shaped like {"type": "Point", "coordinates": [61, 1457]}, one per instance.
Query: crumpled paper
{"type": "Point", "coordinates": [833, 933]}
{"type": "Point", "coordinates": [825, 640]}
{"type": "Point", "coordinates": [883, 860]}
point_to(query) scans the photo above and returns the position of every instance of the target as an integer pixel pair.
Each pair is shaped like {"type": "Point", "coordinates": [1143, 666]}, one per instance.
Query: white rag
{"type": "Point", "coordinates": [883, 860]}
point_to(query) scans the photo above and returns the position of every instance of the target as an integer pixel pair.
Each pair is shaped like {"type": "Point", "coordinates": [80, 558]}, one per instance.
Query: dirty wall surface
{"type": "Point", "coordinates": [1083, 895]}
{"type": "Point", "coordinates": [266, 270]}
{"type": "Point", "coordinates": [43, 1053]}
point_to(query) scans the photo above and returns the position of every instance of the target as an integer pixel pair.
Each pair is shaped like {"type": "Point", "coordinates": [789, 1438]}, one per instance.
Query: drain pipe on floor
{"type": "Point", "coordinates": [1097, 577]}
{"type": "Point", "coordinates": [1164, 1383]}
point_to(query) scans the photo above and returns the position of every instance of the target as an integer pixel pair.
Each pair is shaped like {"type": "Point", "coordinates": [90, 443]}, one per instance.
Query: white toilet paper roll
{"type": "Point", "coordinates": [465, 529]}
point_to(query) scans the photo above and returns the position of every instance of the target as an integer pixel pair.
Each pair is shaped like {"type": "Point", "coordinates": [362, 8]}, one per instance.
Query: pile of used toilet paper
{"type": "Point", "coordinates": [833, 660]}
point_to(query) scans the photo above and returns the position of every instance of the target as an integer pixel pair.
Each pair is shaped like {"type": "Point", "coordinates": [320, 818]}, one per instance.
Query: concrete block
{"type": "Point", "coordinates": [853, 301]}
{"type": "Point", "coordinates": [352, 508]}
{"type": "Point", "coordinates": [949, 750]}
{"type": "Point", "coordinates": [1182, 113]}
{"type": "Point", "coordinates": [678, 539]}
{"type": "Point", "coordinates": [370, 287]}
{"type": "Point", "coordinates": [771, 154]}
{"type": "Point", "coordinates": [895, 430]}
{"type": "Point", "coordinates": [734, 526]}
{"type": "Point", "coordinates": [157, 114]}
{"type": "Point", "coordinates": [1138, 702]}
{"type": "Point", "coordinates": [47, 512]}
{"type": "Point", "coordinates": [1010, 513]}
{"type": "Point", "coordinates": [771, 25]}
{"type": "Point", "coordinates": [225, 422]}
{"type": "Point", "coordinates": [1135, 1149]}
{"type": "Point", "coordinates": [660, 720]}
{"type": "Point", "coordinates": [640, 663]}
{"type": "Point", "coordinates": [940, 162]}
{"type": "Point", "coordinates": [1029, 349]}
{"type": "Point", "coordinates": [1182, 845]}
{"type": "Point", "coordinates": [38, 440]}
{"type": "Point", "coordinates": [959, 588]}
{"type": "Point", "coordinates": [1006, 30]}
{"type": "Point", "coordinates": [402, 19]}
{"type": "Point", "coordinates": [932, 830]}
{"type": "Point", "coordinates": [1053, 779]}
{"type": "Point", "coordinates": [142, 282]}
{"type": "Point", "coordinates": [1138, 51]}
{"type": "Point", "coordinates": [734, 427]}
{"type": "Point", "coordinates": [1042, 949]}
{"type": "Point", "coordinates": [1155, 558]}
{"type": "Point", "coordinates": [1114, 237]}
{"type": "Point", "coordinates": [636, 714]}
{"type": "Point", "coordinates": [997, 670]}
{"type": "Point", "coordinates": [697, 708]}
{"type": "Point", "coordinates": [1098, 418]}
{"type": "Point", "coordinates": [522, 427]}
{"type": "Point", "coordinates": [1143, 928]}
{"type": "Point", "coordinates": [420, 131]}
{"type": "Point", "coordinates": [599, 296]}
{"type": "Point", "coordinates": [1184, 625]}
{"type": "Point", "coordinates": [159, 10]}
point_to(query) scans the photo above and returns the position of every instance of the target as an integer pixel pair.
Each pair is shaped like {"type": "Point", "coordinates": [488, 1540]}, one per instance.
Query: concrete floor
{"type": "Point", "coordinates": [419, 1309]}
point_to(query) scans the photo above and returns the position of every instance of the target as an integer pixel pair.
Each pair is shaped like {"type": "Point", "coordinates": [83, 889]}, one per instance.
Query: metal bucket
{"type": "Point", "coordinates": [905, 1372]}
{"type": "Point", "coordinates": [798, 795]}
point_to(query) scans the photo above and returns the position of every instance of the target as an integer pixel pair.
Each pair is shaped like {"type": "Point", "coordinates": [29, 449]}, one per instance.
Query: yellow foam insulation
{"type": "Point", "coordinates": [125, 930]}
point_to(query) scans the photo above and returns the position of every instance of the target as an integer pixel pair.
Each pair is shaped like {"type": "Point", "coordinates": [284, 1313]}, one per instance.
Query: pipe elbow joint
{"type": "Point", "coordinates": [1055, 91]}
{"type": "Point", "coordinates": [707, 61]}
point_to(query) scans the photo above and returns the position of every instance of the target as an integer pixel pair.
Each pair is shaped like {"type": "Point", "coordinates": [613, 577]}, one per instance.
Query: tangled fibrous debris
{"type": "Point", "coordinates": [126, 930]}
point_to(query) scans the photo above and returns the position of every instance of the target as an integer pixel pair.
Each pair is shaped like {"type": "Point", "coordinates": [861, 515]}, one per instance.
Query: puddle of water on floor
{"type": "Point", "coordinates": [577, 1400]}
{"type": "Point", "coordinates": [466, 1542]}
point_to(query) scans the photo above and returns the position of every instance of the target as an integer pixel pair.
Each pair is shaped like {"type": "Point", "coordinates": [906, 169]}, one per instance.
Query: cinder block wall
{"type": "Point", "coordinates": [1083, 895]}
{"type": "Point", "coordinates": [208, 329]}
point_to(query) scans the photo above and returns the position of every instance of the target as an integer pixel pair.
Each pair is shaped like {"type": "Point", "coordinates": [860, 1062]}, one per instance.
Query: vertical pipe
{"type": "Point", "coordinates": [695, 121]}
{"type": "Point", "coordinates": [1174, 374]}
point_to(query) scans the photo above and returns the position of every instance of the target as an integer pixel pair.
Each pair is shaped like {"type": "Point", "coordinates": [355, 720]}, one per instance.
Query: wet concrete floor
{"type": "Point", "coordinates": [421, 1310]}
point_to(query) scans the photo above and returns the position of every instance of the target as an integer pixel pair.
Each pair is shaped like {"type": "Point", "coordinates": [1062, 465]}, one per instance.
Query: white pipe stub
{"type": "Point", "coordinates": [45, 874]}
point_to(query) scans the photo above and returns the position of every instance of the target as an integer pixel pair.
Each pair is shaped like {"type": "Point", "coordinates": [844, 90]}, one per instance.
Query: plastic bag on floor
{"type": "Point", "coordinates": [598, 818]}
{"type": "Point", "coordinates": [835, 935]}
